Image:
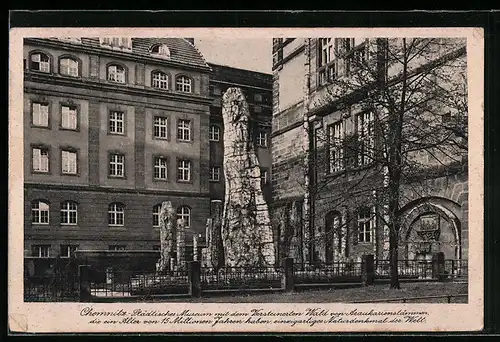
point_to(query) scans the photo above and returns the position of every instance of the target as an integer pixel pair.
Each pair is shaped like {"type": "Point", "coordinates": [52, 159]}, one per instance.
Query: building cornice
{"type": "Point", "coordinates": [133, 56]}
{"type": "Point", "coordinates": [105, 87]}
{"type": "Point", "coordinates": [92, 188]}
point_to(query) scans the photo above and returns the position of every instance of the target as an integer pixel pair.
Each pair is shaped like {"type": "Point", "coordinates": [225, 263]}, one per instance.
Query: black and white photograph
{"type": "Point", "coordinates": [327, 168]}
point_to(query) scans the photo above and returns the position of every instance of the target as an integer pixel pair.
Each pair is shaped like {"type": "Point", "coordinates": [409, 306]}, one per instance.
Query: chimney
{"type": "Point", "coordinates": [191, 40]}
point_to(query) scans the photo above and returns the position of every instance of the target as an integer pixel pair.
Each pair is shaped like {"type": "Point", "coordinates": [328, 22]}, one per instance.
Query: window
{"type": "Point", "coordinates": [116, 214]}
{"type": "Point", "coordinates": [257, 97]}
{"type": "Point", "coordinates": [184, 130]}
{"type": "Point", "coordinates": [40, 114]}
{"type": "Point", "coordinates": [183, 83]}
{"type": "Point", "coordinates": [69, 213]}
{"type": "Point", "coordinates": [336, 153]}
{"type": "Point", "coordinates": [366, 219]}
{"type": "Point", "coordinates": [257, 109]}
{"type": "Point", "coordinates": [160, 127]}
{"type": "Point", "coordinates": [40, 159]}
{"type": "Point", "coordinates": [117, 165]}
{"type": "Point", "coordinates": [161, 50]}
{"type": "Point", "coordinates": [68, 67]}
{"type": "Point", "coordinates": [184, 171]}
{"type": "Point", "coordinates": [160, 168]}
{"type": "Point", "coordinates": [116, 73]}
{"type": "Point", "coordinates": [40, 251]}
{"type": "Point", "coordinates": [156, 215]}
{"type": "Point", "coordinates": [68, 250]}
{"type": "Point", "coordinates": [116, 122]}
{"type": "Point", "coordinates": [160, 80]}
{"type": "Point", "coordinates": [217, 91]}
{"type": "Point", "coordinates": [214, 173]}
{"type": "Point", "coordinates": [69, 164]}
{"type": "Point", "coordinates": [40, 62]}
{"type": "Point", "coordinates": [156, 247]}
{"type": "Point", "coordinates": [263, 176]}
{"type": "Point", "coordinates": [364, 131]}
{"type": "Point", "coordinates": [262, 139]}
{"type": "Point", "coordinates": [116, 247]}
{"type": "Point", "coordinates": [69, 117]}
{"type": "Point", "coordinates": [326, 60]}
{"type": "Point", "coordinates": [214, 133]}
{"type": "Point", "coordinates": [184, 213]}
{"type": "Point", "coordinates": [39, 212]}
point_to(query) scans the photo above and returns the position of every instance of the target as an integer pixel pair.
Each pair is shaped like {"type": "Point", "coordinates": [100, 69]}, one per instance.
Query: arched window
{"type": "Point", "coordinates": [69, 213]}
{"type": "Point", "coordinates": [39, 61]}
{"type": "Point", "coordinates": [184, 84]}
{"type": "Point", "coordinates": [40, 212]}
{"type": "Point", "coordinates": [184, 213]}
{"type": "Point", "coordinates": [159, 80]}
{"type": "Point", "coordinates": [156, 215]}
{"type": "Point", "coordinates": [116, 214]}
{"type": "Point", "coordinates": [116, 73]}
{"type": "Point", "coordinates": [68, 67]}
{"type": "Point", "coordinates": [161, 50]}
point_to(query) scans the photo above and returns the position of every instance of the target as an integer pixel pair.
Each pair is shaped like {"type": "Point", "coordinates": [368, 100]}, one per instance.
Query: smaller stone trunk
{"type": "Point", "coordinates": [215, 245]}
{"type": "Point", "coordinates": [181, 245]}
{"type": "Point", "coordinates": [167, 217]}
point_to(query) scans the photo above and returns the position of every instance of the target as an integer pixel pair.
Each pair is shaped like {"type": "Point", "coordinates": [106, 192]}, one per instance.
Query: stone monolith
{"type": "Point", "coordinates": [167, 220]}
{"type": "Point", "coordinates": [247, 234]}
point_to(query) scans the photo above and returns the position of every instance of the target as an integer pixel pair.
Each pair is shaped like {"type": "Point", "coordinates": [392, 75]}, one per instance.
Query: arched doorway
{"type": "Point", "coordinates": [429, 227]}
{"type": "Point", "coordinates": [333, 223]}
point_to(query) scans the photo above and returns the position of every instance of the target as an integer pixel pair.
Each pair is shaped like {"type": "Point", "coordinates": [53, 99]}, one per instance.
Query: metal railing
{"type": "Point", "coordinates": [240, 278]}
{"type": "Point", "coordinates": [327, 273]}
{"type": "Point", "coordinates": [59, 288]}
{"type": "Point", "coordinates": [450, 298]}
{"type": "Point", "coordinates": [417, 269]}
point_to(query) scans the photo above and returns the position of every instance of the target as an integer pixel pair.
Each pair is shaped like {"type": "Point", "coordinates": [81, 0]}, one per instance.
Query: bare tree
{"type": "Point", "coordinates": [412, 96]}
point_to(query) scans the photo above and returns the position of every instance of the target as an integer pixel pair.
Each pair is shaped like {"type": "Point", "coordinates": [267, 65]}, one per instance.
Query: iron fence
{"type": "Point", "coordinates": [456, 269]}
{"type": "Point", "coordinates": [450, 298]}
{"type": "Point", "coordinates": [338, 272]}
{"type": "Point", "coordinates": [58, 288]}
{"type": "Point", "coordinates": [240, 278]}
{"type": "Point", "coordinates": [119, 283]}
{"type": "Point", "coordinates": [413, 269]}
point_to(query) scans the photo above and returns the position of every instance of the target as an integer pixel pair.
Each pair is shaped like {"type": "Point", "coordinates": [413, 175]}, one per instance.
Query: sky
{"type": "Point", "coordinates": [251, 54]}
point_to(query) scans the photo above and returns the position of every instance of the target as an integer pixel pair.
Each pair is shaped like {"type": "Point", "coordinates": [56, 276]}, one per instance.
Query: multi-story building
{"type": "Point", "coordinates": [115, 126]}
{"type": "Point", "coordinates": [112, 127]}
{"type": "Point", "coordinates": [343, 188]}
{"type": "Point", "coordinates": [257, 88]}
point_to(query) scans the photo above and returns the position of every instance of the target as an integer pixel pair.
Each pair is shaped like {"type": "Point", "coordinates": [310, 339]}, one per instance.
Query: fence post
{"type": "Point", "coordinates": [287, 281]}
{"type": "Point", "coordinates": [368, 270]}
{"type": "Point", "coordinates": [438, 266]}
{"type": "Point", "coordinates": [84, 291]}
{"type": "Point", "coordinates": [194, 277]}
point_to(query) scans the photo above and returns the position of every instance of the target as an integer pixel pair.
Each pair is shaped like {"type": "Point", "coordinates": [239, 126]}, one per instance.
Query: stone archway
{"type": "Point", "coordinates": [430, 225]}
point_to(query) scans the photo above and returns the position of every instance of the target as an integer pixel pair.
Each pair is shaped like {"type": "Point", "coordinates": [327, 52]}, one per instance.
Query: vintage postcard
{"type": "Point", "coordinates": [245, 180]}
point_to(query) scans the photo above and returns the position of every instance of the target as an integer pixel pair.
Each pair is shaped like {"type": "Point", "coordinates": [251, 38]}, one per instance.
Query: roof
{"type": "Point", "coordinates": [224, 73]}
{"type": "Point", "coordinates": [181, 50]}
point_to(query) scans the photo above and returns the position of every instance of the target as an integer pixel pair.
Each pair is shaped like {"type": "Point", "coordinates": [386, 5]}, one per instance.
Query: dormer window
{"type": "Point", "coordinates": [161, 50]}
{"type": "Point", "coordinates": [117, 43]}
{"type": "Point", "coordinates": [40, 62]}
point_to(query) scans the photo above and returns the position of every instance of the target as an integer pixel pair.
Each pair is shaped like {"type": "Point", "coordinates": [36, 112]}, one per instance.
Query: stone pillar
{"type": "Point", "coordinates": [194, 278]}
{"type": "Point", "coordinates": [295, 230]}
{"type": "Point", "coordinates": [84, 272]}
{"type": "Point", "coordinates": [247, 233]}
{"type": "Point", "coordinates": [167, 217]}
{"type": "Point", "coordinates": [368, 270]}
{"type": "Point", "coordinates": [438, 266]}
{"type": "Point", "coordinates": [287, 281]}
{"type": "Point", "coordinates": [181, 245]}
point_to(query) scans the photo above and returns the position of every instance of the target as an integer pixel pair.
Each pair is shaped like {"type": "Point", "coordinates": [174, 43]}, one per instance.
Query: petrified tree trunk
{"type": "Point", "coordinates": [246, 231]}
{"type": "Point", "coordinates": [181, 244]}
{"type": "Point", "coordinates": [215, 246]}
{"type": "Point", "coordinates": [167, 217]}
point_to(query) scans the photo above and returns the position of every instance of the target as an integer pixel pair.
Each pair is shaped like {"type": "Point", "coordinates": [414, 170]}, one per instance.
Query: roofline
{"type": "Point", "coordinates": [241, 69]}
